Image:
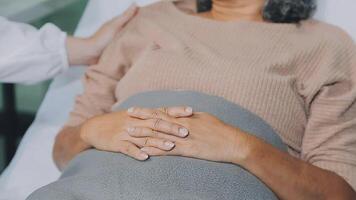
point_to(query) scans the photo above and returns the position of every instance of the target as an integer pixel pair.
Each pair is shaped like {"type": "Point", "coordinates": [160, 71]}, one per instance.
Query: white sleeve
{"type": "Point", "coordinates": [28, 55]}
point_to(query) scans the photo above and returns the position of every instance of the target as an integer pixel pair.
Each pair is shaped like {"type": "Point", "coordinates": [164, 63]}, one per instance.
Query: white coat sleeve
{"type": "Point", "coordinates": [28, 55]}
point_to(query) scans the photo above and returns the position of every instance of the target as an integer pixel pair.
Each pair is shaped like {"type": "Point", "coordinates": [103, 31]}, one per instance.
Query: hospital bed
{"type": "Point", "coordinates": [32, 166]}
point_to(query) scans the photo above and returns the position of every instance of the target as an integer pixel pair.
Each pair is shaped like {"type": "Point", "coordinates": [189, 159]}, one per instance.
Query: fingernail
{"type": "Point", "coordinates": [183, 132]}
{"type": "Point", "coordinates": [130, 110]}
{"type": "Point", "coordinates": [189, 109]}
{"type": "Point", "coordinates": [143, 156]}
{"type": "Point", "coordinates": [169, 144]}
{"type": "Point", "coordinates": [131, 129]}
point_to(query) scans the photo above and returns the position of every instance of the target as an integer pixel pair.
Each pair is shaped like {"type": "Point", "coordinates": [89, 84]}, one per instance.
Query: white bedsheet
{"type": "Point", "coordinates": [32, 166]}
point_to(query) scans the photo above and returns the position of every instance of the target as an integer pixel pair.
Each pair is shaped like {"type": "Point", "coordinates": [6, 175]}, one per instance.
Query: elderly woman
{"type": "Point", "coordinates": [298, 75]}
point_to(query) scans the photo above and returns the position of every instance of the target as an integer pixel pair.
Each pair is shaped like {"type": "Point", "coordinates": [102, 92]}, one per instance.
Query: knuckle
{"type": "Point", "coordinates": [151, 123]}
{"type": "Point", "coordinates": [164, 110]}
{"type": "Point", "coordinates": [130, 151]}
{"type": "Point", "coordinates": [154, 114]}
{"type": "Point", "coordinates": [126, 149]}
{"type": "Point", "coordinates": [176, 129]}
{"type": "Point", "coordinates": [153, 142]}
{"type": "Point", "coordinates": [146, 142]}
{"type": "Point", "coordinates": [120, 149]}
{"type": "Point", "coordinates": [146, 131]}
{"type": "Point", "coordinates": [155, 133]}
{"type": "Point", "coordinates": [157, 123]}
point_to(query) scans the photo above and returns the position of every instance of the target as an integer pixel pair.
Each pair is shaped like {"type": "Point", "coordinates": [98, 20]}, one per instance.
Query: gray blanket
{"type": "Point", "coordinates": [97, 175]}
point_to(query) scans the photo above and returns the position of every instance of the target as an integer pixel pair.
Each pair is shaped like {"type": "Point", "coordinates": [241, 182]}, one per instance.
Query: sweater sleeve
{"type": "Point", "coordinates": [330, 135]}
{"type": "Point", "coordinates": [100, 80]}
{"type": "Point", "coordinates": [29, 55]}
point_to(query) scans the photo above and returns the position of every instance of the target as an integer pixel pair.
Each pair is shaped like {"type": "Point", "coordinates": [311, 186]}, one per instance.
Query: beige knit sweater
{"type": "Point", "coordinates": [301, 79]}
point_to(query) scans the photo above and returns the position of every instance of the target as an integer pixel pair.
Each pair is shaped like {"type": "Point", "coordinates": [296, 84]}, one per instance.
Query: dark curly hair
{"type": "Point", "coordinates": [278, 11]}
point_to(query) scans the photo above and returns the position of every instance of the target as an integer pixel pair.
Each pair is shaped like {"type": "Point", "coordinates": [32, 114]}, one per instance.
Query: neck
{"type": "Point", "coordinates": [232, 10]}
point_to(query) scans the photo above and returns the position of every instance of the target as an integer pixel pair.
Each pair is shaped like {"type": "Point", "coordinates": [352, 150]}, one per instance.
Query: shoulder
{"type": "Point", "coordinates": [158, 9]}
{"type": "Point", "coordinates": [148, 16]}
{"type": "Point", "coordinates": [328, 34]}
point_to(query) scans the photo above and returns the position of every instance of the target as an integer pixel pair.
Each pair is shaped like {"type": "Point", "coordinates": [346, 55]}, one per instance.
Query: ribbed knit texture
{"type": "Point", "coordinates": [299, 78]}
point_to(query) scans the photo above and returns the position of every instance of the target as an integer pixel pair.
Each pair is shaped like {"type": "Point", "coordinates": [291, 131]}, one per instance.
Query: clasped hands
{"type": "Point", "coordinates": [176, 131]}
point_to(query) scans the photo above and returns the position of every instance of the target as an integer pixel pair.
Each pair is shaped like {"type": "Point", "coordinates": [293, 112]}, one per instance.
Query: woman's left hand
{"type": "Point", "coordinates": [209, 138]}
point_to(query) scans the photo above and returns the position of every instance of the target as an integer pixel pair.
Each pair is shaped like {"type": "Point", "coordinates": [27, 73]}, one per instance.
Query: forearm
{"type": "Point", "coordinates": [291, 178]}
{"type": "Point", "coordinates": [67, 145]}
{"type": "Point", "coordinates": [81, 51]}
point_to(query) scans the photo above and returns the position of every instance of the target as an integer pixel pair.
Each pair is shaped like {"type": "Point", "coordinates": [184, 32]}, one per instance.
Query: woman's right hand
{"type": "Point", "coordinates": [87, 51]}
{"type": "Point", "coordinates": [109, 132]}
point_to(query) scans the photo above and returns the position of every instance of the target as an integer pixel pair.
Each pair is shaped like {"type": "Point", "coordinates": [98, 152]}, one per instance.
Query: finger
{"type": "Point", "coordinates": [165, 127]}
{"type": "Point", "coordinates": [140, 132]}
{"type": "Point", "coordinates": [154, 151]}
{"type": "Point", "coordinates": [147, 113]}
{"type": "Point", "coordinates": [133, 151]}
{"type": "Point", "coordinates": [181, 111]}
{"type": "Point", "coordinates": [160, 113]}
{"type": "Point", "coordinates": [153, 142]}
{"type": "Point", "coordinates": [158, 121]}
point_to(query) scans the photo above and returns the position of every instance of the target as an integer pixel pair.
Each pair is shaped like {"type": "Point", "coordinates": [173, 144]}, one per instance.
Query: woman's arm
{"type": "Point", "coordinates": [109, 132]}
{"type": "Point", "coordinates": [288, 177]}
{"type": "Point", "coordinates": [292, 178]}
{"type": "Point", "coordinates": [211, 139]}
{"type": "Point", "coordinates": [68, 144]}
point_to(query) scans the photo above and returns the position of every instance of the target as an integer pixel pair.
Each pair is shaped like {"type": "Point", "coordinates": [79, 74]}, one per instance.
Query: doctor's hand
{"type": "Point", "coordinates": [110, 132]}
{"type": "Point", "coordinates": [87, 51]}
{"type": "Point", "coordinates": [209, 138]}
